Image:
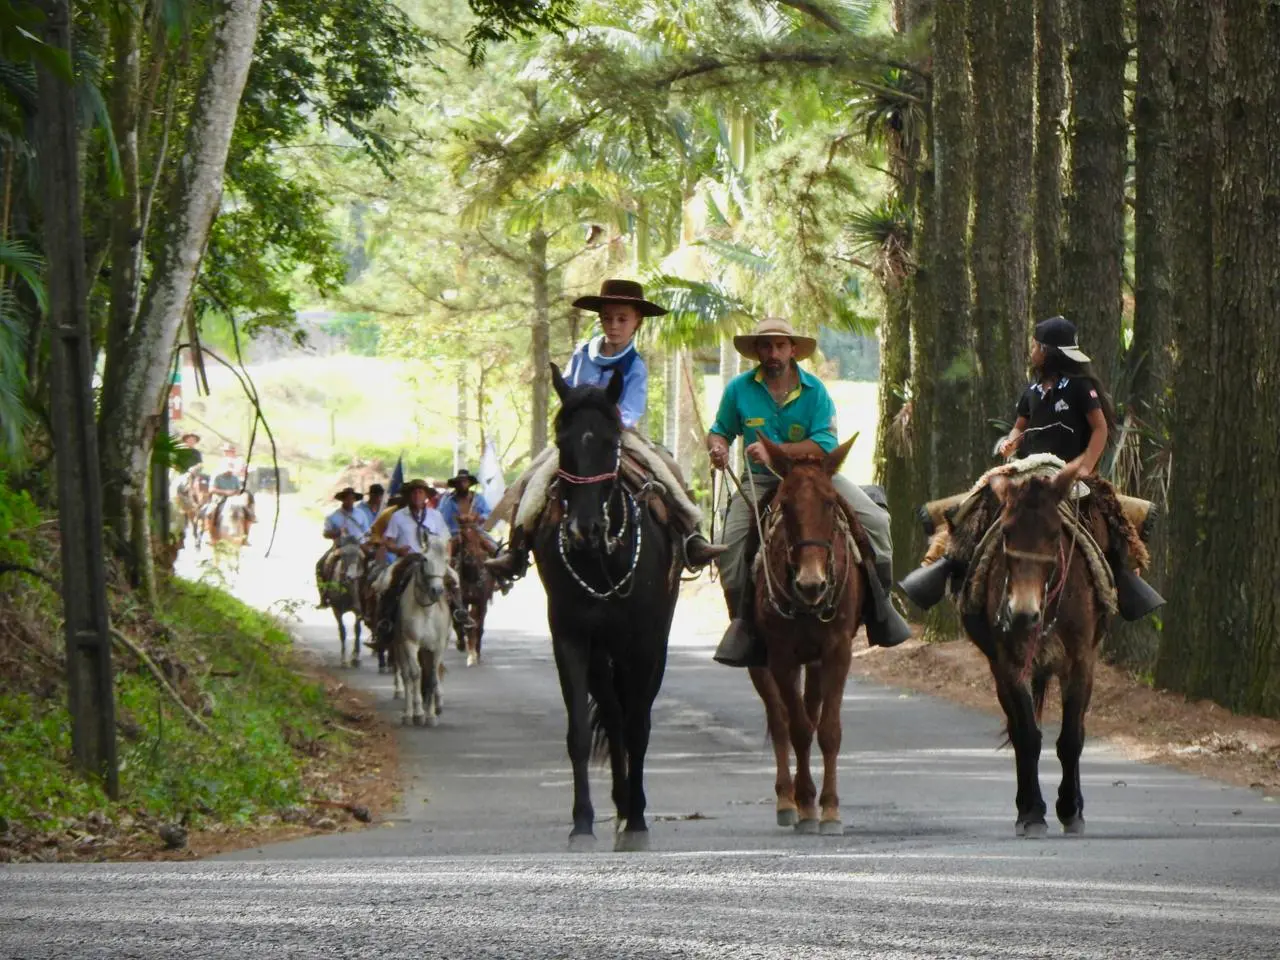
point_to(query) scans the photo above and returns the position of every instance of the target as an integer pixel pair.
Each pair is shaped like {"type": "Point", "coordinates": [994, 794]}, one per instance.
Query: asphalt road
{"type": "Point", "coordinates": [476, 864]}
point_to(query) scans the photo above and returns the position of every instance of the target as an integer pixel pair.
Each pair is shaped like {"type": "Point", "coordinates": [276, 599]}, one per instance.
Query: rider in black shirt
{"type": "Point", "coordinates": [1065, 412]}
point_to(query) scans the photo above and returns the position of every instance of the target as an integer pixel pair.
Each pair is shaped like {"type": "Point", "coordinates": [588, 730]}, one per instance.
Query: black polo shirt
{"type": "Point", "coordinates": [1058, 417]}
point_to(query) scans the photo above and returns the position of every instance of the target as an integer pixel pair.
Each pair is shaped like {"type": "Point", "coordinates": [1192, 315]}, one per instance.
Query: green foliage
{"type": "Point", "coordinates": [515, 20]}
{"type": "Point", "coordinates": [168, 768]}
{"type": "Point", "coordinates": [18, 513]}
{"type": "Point", "coordinates": [359, 331]}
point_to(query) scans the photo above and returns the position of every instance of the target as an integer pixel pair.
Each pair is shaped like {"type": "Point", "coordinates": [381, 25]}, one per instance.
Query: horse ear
{"type": "Point", "coordinates": [1065, 480]}
{"type": "Point", "coordinates": [557, 381]}
{"type": "Point", "coordinates": [614, 390]}
{"type": "Point", "coordinates": [779, 460]}
{"type": "Point", "coordinates": [999, 485]}
{"type": "Point", "coordinates": [835, 459]}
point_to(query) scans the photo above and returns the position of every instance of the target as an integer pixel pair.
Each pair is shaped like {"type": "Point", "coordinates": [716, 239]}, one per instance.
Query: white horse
{"type": "Point", "coordinates": [424, 629]}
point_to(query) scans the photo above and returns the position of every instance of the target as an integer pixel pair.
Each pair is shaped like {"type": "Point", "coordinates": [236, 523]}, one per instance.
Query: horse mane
{"type": "Point", "coordinates": [587, 397]}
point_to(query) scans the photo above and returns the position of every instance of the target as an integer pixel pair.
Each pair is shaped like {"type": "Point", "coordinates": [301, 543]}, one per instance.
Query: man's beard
{"type": "Point", "coordinates": [773, 368]}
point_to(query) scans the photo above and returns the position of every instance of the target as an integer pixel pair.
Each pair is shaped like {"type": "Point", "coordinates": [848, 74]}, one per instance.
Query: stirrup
{"type": "Point", "coordinates": [710, 551]}
{"type": "Point", "coordinates": [1135, 598]}
{"type": "Point", "coordinates": [741, 647]}
{"type": "Point", "coordinates": [926, 586]}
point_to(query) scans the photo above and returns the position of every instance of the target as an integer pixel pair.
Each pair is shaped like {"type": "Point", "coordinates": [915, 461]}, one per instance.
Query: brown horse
{"type": "Point", "coordinates": [1042, 618]}
{"type": "Point", "coordinates": [191, 494]}
{"type": "Point", "coordinates": [471, 552]}
{"type": "Point", "coordinates": [808, 601]}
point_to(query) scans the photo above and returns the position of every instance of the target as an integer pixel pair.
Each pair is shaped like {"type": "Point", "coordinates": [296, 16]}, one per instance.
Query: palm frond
{"type": "Point", "coordinates": [15, 255]}
{"type": "Point", "coordinates": [698, 311]}
{"type": "Point", "coordinates": [739, 255]}
{"type": "Point", "coordinates": [14, 416]}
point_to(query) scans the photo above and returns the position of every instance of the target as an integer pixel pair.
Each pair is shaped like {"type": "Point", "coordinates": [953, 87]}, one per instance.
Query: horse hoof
{"type": "Point", "coordinates": [631, 841]}
{"type": "Point", "coordinates": [396, 694]}
{"type": "Point", "coordinates": [406, 721]}
{"type": "Point", "coordinates": [807, 826]}
{"type": "Point", "coordinates": [831, 828]}
{"type": "Point", "coordinates": [473, 659]}
{"type": "Point", "coordinates": [419, 721]}
{"type": "Point", "coordinates": [787, 818]}
{"type": "Point", "coordinates": [431, 722]}
{"type": "Point", "coordinates": [582, 842]}
{"type": "Point", "coordinates": [355, 663]}
{"type": "Point", "coordinates": [1074, 827]}
{"type": "Point", "coordinates": [1031, 830]}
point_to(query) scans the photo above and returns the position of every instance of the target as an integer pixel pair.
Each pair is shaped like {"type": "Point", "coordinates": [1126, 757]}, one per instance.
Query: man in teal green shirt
{"type": "Point", "coordinates": [792, 408]}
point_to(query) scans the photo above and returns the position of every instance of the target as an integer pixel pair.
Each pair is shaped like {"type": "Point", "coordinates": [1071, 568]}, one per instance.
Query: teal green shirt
{"type": "Point", "coordinates": [747, 409]}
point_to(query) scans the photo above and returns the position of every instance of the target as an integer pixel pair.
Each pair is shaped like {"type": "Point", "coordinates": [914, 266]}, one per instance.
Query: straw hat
{"type": "Point", "coordinates": [774, 327]}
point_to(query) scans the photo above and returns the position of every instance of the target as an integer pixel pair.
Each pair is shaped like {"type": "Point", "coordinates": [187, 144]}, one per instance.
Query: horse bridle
{"type": "Point", "coordinates": [824, 609]}
{"type": "Point", "coordinates": [630, 518]}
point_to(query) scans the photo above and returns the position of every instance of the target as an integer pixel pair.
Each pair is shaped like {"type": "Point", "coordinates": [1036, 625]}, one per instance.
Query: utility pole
{"type": "Point", "coordinates": [84, 591]}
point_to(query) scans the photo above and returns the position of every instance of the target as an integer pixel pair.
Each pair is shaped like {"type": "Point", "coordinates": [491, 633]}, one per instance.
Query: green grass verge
{"type": "Point", "coordinates": [264, 716]}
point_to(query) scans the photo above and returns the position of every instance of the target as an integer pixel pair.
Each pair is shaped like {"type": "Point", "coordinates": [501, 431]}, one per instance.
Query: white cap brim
{"type": "Point", "coordinates": [1074, 353]}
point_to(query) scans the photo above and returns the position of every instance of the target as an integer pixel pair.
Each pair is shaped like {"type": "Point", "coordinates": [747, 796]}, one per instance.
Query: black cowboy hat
{"type": "Point", "coordinates": [348, 491]}
{"type": "Point", "coordinates": [463, 474]}
{"type": "Point", "coordinates": [413, 485]}
{"type": "Point", "coordinates": [621, 291]}
{"type": "Point", "coordinates": [376, 489]}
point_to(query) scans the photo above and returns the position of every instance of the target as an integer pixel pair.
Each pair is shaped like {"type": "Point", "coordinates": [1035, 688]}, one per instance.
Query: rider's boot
{"type": "Point", "coordinates": [699, 551]}
{"type": "Point", "coordinates": [742, 645]}
{"type": "Point", "coordinates": [1135, 598]}
{"type": "Point", "coordinates": [885, 625]}
{"type": "Point", "coordinates": [926, 586]}
{"type": "Point", "coordinates": [513, 563]}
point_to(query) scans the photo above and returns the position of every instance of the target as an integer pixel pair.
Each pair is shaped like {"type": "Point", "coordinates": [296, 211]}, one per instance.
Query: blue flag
{"type": "Point", "coordinates": [397, 478]}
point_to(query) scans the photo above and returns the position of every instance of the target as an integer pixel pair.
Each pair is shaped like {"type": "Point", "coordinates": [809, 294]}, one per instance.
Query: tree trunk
{"type": "Point", "coordinates": [135, 377]}
{"type": "Point", "coordinates": [1093, 261]}
{"type": "Point", "coordinates": [460, 420]}
{"type": "Point", "coordinates": [893, 444]}
{"type": "Point", "coordinates": [1050, 101]}
{"type": "Point", "coordinates": [538, 276]}
{"type": "Point", "coordinates": [1002, 42]}
{"type": "Point", "coordinates": [1150, 359]}
{"type": "Point", "coordinates": [126, 210]}
{"type": "Point", "coordinates": [953, 441]}
{"type": "Point", "coordinates": [1222, 630]}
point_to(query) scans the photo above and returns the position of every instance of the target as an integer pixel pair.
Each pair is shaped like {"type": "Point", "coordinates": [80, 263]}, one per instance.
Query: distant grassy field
{"type": "Point", "coordinates": [325, 411]}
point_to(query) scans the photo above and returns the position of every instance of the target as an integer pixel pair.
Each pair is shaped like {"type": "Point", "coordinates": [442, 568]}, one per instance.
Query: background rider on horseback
{"type": "Point", "coordinates": [407, 534]}
{"type": "Point", "coordinates": [345, 525]}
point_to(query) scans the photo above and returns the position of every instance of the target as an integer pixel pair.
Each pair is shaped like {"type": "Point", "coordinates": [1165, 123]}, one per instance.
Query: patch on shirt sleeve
{"type": "Point", "coordinates": [795, 432]}
{"type": "Point", "coordinates": [754, 422]}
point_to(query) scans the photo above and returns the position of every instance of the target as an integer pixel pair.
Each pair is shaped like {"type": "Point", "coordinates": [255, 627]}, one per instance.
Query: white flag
{"type": "Point", "coordinates": [491, 483]}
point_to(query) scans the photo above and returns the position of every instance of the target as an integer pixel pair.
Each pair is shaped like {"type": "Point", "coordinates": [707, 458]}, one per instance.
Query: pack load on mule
{"type": "Point", "coordinates": [1040, 555]}
{"type": "Point", "coordinates": [779, 405]}
{"type": "Point", "coordinates": [609, 560]}
{"type": "Point", "coordinates": [1064, 414]}
{"type": "Point", "coordinates": [622, 308]}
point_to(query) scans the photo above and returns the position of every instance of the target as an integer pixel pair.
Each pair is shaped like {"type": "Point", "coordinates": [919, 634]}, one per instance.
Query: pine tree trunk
{"type": "Point", "coordinates": [893, 444]}
{"type": "Point", "coordinates": [1222, 628]}
{"type": "Point", "coordinates": [1150, 359]}
{"type": "Point", "coordinates": [1050, 101]}
{"type": "Point", "coordinates": [1093, 261]}
{"type": "Point", "coordinates": [539, 277]}
{"type": "Point", "coordinates": [1002, 42]}
{"type": "Point", "coordinates": [136, 376]}
{"type": "Point", "coordinates": [953, 442]}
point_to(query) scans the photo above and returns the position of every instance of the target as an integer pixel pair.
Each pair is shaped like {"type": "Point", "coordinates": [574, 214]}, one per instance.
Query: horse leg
{"type": "Point", "coordinates": [787, 677]}
{"type": "Point", "coordinates": [407, 654]}
{"type": "Point", "coordinates": [610, 713]}
{"type": "Point", "coordinates": [355, 656]}
{"type": "Point", "coordinates": [342, 634]}
{"type": "Point", "coordinates": [775, 715]}
{"type": "Point", "coordinates": [430, 683]}
{"type": "Point", "coordinates": [1024, 734]}
{"type": "Point", "coordinates": [830, 680]}
{"type": "Point", "coordinates": [571, 664]}
{"type": "Point", "coordinates": [813, 693]}
{"type": "Point", "coordinates": [1077, 689]}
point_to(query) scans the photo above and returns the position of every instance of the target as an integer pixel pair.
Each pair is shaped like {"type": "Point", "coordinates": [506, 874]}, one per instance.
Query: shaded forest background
{"type": "Point", "coordinates": [447, 177]}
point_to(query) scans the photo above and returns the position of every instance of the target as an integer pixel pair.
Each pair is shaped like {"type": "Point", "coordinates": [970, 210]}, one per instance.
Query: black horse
{"type": "Point", "coordinates": [611, 574]}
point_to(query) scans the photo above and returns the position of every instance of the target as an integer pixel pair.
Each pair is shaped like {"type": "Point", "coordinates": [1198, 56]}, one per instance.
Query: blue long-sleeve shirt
{"type": "Point", "coordinates": [449, 509]}
{"type": "Point", "coordinates": [588, 366]}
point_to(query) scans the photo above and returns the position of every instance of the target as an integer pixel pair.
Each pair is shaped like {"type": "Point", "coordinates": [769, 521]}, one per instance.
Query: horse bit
{"type": "Point", "coordinates": [630, 517]}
